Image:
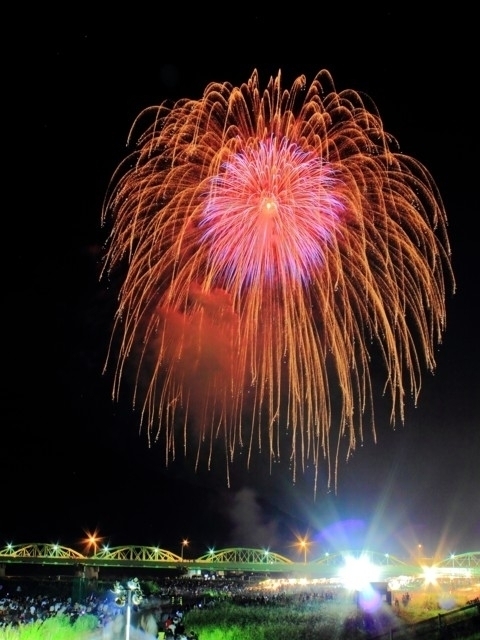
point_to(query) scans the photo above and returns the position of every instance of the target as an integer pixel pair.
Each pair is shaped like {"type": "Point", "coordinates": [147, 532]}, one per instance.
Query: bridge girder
{"type": "Point", "coordinates": [230, 559]}
{"type": "Point", "coordinates": [245, 555]}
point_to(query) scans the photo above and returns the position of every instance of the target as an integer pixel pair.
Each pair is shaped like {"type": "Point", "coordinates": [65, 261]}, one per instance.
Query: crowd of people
{"type": "Point", "coordinates": [163, 606]}
{"type": "Point", "coordinates": [159, 615]}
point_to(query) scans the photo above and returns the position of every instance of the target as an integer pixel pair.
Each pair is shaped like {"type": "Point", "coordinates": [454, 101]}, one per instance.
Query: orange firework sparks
{"type": "Point", "coordinates": [272, 240]}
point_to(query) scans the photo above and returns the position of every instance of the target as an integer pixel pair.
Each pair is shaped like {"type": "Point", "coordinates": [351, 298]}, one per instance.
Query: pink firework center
{"type": "Point", "coordinates": [269, 215]}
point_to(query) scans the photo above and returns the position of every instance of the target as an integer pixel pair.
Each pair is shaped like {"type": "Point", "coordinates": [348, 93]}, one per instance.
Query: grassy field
{"type": "Point", "coordinates": [309, 619]}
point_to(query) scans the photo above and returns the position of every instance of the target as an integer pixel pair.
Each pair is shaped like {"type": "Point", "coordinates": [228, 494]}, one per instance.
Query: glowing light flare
{"type": "Point", "coordinates": [275, 244]}
{"type": "Point", "coordinates": [185, 542]}
{"type": "Point", "coordinates": [93, 540]}
{"type": "Point", "coordinates": [358, 573]}
{"type": "Point", "coordinates": [430, 575]}
{"type": "Point", "coordinates": [303, 545]}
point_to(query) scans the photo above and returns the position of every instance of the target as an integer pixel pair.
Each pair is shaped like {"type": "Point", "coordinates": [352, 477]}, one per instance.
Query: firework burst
{"type": "Point", "coordinates": [271, 241]}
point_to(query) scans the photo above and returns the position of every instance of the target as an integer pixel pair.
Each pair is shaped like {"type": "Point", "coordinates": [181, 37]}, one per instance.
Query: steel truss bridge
{"type": "Point", "coordinates": [235, 559]}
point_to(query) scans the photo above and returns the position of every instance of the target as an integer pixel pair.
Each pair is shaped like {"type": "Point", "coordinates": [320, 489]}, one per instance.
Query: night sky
{"type": "Point", "coordinates": [72, 459]}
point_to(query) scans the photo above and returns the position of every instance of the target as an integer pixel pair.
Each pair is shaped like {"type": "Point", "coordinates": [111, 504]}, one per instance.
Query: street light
{"type": "Point", "coordinates": [304, 543]}
{"type": "Point", "coordinates": [92, 540]}
{"type": "Point", "coordinates": [185, 543]}
{"type": "Point", "coordinates": [125, 596]}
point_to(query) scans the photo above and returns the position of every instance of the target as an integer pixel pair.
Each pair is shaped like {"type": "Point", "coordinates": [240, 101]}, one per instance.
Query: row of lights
{"type": "Point", "coordinates": [93, 540]}
{"type": "Point", "coordinates": [303, 545]}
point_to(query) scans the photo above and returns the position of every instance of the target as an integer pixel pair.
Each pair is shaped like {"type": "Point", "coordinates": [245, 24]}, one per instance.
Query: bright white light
{"type": "Point", "coordinates": [400, 582]}
{"type": "Point", "coordinates": [357, 573]}
{"type": "Point", "coordinates": [429, 575]}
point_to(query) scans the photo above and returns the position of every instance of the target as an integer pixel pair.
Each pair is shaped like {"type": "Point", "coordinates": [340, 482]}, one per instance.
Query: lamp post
{"type": "Point", "coordinates": [304, 543]}
{"type": "Point", "coordinates": [92, 541]}
{"type": "Point", "coordinates": [125, 596]}
{"type": "Point", "coordinates": [185, 543]}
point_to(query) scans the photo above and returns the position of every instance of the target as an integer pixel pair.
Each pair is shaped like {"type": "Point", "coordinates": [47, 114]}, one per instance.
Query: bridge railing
{"type": "Point", "coordinates": [234, 558]}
